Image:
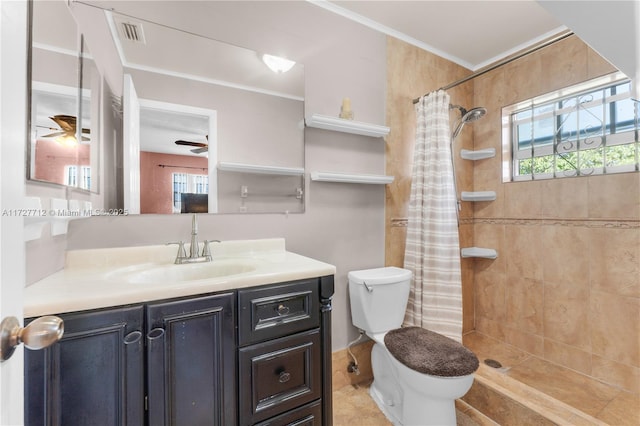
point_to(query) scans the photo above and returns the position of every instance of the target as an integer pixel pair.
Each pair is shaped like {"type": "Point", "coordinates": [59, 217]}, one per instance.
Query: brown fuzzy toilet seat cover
{"type": "Point", "coordinates": [430, 353]}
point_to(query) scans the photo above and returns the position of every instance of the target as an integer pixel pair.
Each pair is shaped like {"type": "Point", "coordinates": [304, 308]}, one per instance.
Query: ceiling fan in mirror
{"type": "Point", "coordinates": [199, 147]}
{"type": "Point", "coordinates": [66, 133]}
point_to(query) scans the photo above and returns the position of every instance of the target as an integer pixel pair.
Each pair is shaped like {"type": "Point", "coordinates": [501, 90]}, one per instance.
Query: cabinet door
{"type": "Point", "coordinates": [191, 362]}
{"type": "Point", "coordinates": [93, 376]}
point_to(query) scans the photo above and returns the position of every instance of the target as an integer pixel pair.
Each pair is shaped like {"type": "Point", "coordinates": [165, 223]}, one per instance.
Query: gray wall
{"type": "Point", "coordinates": [343, 223]}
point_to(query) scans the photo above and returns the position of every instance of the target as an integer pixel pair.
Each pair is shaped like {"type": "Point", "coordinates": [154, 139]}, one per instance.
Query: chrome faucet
{"type": "Point", "coordinates": [193, 248]}
{"type": "Point", "coordinates": [194, 256]}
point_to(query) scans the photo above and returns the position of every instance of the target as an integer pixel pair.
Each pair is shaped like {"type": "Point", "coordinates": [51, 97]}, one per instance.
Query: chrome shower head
{"type": "Point", "coordinates": [474, 114]}
{"type": "Point", "coordinates": [467, 117]}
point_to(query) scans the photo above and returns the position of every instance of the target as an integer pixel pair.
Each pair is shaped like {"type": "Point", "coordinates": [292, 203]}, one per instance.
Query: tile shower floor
{"type": "Point", "coordinates": [599, 401]}
{"type": "Point", "coordinates": [571, 398]}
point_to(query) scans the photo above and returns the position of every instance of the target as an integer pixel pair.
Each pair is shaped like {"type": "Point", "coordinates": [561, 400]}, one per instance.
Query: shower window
{"type": "Point", "coordinates": [583, 130]}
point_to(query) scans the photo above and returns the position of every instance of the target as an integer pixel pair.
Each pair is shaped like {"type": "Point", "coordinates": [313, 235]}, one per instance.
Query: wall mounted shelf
{"type": "Point", "coordinates": [478, 155]}
{"type": "Point", "coordinates": [351, 178]}
{"type": "Point", "coordinates": [485, 253]}
{"type": "Point", "coordinates": [478, 196]}
{"type": "Point", "coordinates": [265, 170]}
{"type": "Point", "coordinates": [346, 126]}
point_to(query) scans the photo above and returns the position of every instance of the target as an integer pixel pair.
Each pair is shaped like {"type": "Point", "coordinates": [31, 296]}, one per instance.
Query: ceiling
{"type": "Point", "coordinates": [163, 48]}
{"type": "Point", "coordinates": [473, 34]}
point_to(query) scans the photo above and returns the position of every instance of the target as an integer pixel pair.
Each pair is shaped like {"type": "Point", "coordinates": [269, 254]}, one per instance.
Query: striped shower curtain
{"type": "Point", "coordinates": [432, 248]}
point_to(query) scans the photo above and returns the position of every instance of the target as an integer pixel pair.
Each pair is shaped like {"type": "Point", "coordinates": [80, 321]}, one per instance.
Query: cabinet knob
{"type": "Point", "coordinates": [282, 310]}
{"type": "Point", "coordinates": [284, 377]}
{"type": "Point", "coordinates": [39, 334]}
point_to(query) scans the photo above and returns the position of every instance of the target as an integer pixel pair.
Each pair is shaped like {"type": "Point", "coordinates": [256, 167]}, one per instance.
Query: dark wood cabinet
{"type": "Point", "coordinates": [93, 376]}
{"type": "Point", "coordinates": [279, 375]}
{"type": "Point", "coordinates": [277, 310]}
{"type": "Point", "coordinates": [260, 355]}
{"type": "Point", "coordinates": [285, 353]}
{"type": "Point", "coordinates": [307, 415]}
{"type": "Point", "coordinates": [191, 361]}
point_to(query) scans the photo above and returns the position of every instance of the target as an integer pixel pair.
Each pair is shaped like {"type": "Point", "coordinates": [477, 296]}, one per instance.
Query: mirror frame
{"type": "Point", "coordinates": [79, 95]}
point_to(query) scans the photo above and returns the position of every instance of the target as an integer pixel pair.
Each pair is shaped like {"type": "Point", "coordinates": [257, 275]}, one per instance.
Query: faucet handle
{"type": "Point", "coordinates": [206, 250]}
{"type": "Point", "coordinates": [182, 253]}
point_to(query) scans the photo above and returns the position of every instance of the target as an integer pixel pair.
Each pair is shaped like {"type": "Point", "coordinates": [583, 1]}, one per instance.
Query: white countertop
{"type": "Point", "coordinates": [98, 278]}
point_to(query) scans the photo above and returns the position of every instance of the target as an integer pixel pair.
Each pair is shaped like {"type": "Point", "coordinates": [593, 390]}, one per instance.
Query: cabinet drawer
{"type": "Point", "coordinates": [279, 375]}
{"type": "Point", "coordinates": [308, 415]}
{"type": "Point", "coordinates": [275, 311]}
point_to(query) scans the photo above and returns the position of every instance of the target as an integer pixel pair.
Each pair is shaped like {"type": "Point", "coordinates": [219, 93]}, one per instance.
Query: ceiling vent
{"type": "Point", "coordinates": [132, 31]}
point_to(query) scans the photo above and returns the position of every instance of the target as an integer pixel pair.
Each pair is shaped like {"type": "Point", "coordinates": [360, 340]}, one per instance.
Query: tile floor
{"type": "Point", "coordinates": [605, 404]}
{"type": "Point", "coordinates": [352, 406]}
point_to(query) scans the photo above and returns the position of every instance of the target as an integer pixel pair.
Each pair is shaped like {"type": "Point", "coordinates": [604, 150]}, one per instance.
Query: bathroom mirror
{"type": "Point", "coordinates": [61, 149]}
{"type": "Point", "coordinates": [232, 127]}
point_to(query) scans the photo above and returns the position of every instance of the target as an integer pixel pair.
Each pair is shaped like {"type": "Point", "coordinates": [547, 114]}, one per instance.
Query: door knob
{"type": "Point", "coordinates": [39, 334]}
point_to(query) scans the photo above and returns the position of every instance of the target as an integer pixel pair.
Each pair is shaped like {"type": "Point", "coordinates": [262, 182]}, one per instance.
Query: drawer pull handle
{"type": "Point", "coordinates": [284, 377]}
{"type": "Point", "coordinates": [156, 333]}
{"type": "Point", "coordinates": [282, 310]}
{"type": "Point", "coordinates": [133, 337]}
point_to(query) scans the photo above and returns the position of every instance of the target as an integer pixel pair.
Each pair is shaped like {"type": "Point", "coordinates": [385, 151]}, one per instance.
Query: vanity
{"type": "Point", "coordinates": [244, 339]}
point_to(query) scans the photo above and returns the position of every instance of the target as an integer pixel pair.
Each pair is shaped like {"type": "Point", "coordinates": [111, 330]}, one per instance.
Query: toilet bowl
{"type": "Point", "coordinates": [417, 374]}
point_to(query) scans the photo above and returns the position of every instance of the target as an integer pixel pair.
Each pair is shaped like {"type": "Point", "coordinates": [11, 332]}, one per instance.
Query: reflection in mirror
{"type": "Point", "coordinates": [258, 122]}
{"type": "Point", "coordinates": [88, 109]}
{"type": "Point", "coordinates": [174, 157]}
{"type": "Point", "coordinates": [56, 155]}
{"type": "Point", "coordinates": [62, 148]}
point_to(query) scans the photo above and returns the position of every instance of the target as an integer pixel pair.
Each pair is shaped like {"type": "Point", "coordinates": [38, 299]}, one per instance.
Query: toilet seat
{"type": "Point", "coordinates": [430, 353]}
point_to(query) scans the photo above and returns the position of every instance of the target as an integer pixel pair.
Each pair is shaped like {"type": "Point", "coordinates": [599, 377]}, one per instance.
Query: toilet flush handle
{"type": "Point", "coordinates": [368, 287]}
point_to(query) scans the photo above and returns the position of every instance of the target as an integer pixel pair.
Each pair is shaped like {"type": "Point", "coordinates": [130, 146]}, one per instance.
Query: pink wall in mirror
{"type": "Point", "coordinates": [51, 158]}
{"type": "Point", "coordinates": [156, 171]}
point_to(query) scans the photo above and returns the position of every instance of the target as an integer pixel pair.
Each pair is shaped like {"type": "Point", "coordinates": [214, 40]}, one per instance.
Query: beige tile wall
{"type": "Point", "coordinates": [566, 283]}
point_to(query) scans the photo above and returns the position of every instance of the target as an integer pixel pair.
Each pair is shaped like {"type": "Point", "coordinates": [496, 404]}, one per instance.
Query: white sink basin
{"type": "Point", "coordinates": [100, 278]}
{"type": "Point", "coordinates": [191, 271]}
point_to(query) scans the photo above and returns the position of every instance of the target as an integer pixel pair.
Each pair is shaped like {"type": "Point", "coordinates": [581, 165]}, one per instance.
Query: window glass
{"type": "Point", "coordinates": [587, 129]}
{"type": "Point", "coordinates": [188, 183]}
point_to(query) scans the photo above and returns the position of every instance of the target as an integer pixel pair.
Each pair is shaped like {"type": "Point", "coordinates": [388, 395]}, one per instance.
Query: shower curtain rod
{"type": "Point", "coordinates": [181, 167]}
{"type": "Point", "coordinates": [548, 42]}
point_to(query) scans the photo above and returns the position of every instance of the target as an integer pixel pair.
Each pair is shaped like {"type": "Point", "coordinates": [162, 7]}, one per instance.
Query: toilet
{"type": "Point", "coordinates": [417, 374]}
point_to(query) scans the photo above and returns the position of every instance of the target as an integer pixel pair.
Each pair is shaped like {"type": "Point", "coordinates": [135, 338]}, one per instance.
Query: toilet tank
{"type": "Point", "coordinates": [379, 298]}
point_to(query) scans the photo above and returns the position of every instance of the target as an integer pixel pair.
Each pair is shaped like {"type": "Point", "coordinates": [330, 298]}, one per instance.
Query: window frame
{"type": "Point", "coordinates": [514, 153]}
{"type": "Point", "coordinates": [193, 183]}
{"type": "Point", "coordinates": [78, 176]}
